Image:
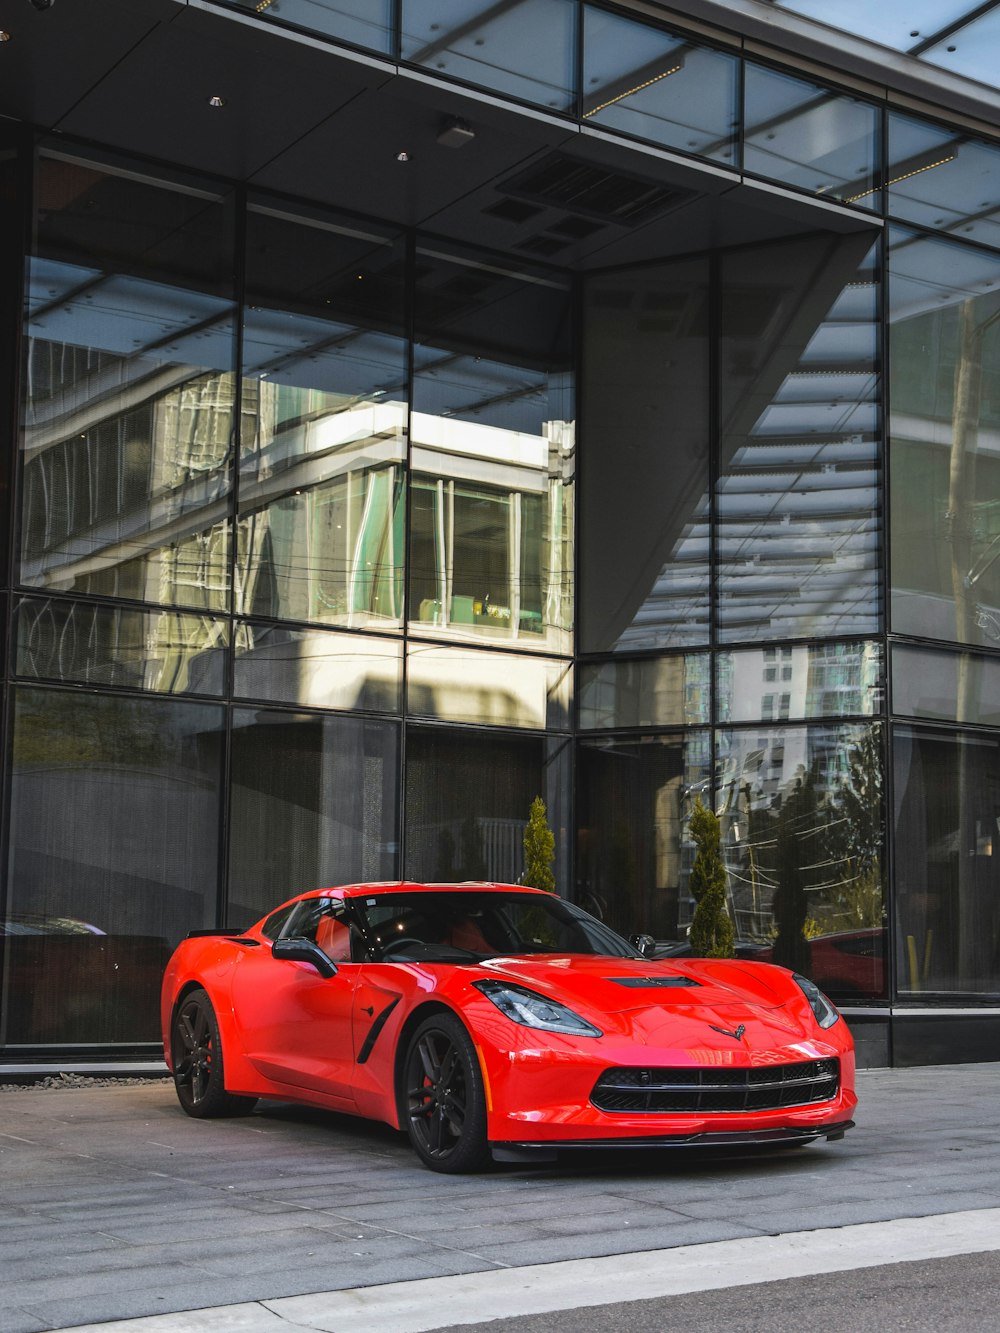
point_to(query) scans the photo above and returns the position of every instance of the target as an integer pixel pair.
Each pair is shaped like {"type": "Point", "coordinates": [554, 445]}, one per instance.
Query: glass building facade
{"type": "Point", "coordinates": [612, 417]}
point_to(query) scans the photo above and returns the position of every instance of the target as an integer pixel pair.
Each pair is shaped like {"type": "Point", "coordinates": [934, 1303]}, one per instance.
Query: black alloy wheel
{"type": "Point", "coordinates": [197, 1056]}
{"type": "Point", "coordinates": [445, 1103]}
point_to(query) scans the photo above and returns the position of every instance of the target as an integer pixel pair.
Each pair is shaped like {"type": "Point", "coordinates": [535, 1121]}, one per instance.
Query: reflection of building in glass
{"type": "Point", "coordinates": [635, 445]}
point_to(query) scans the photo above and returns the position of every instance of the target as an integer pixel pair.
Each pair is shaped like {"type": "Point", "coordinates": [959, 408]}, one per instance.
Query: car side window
{"type": "Point", "coordinates": [324, 921]}
{"type": "Point", "coordinates": [271, 928]}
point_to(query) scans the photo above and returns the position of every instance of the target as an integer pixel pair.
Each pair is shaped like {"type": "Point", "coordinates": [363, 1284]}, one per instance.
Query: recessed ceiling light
{"type": "Point", "coordinates": [216, 100]}
{"type": "Point", "coordinates": [4, 35]}
{"type": "Point", "coordinates": [403, 156]}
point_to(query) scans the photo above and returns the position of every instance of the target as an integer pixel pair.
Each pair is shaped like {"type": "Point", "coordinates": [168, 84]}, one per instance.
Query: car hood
{"type": "Point", "coordinates": [726, 1010]}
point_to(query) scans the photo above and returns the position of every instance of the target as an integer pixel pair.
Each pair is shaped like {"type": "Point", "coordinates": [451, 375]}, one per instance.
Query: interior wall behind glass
{"type": "Point", "coordinates": [468, 797]}
{"type": "Point", "coordinates": [944, 340]}
{"type": "Point", "coordinates": [947, 795]}
{"type": "Point", "coordinates": [799, 472]}
{"type": "Point", "coordinates": [634, 798]}
{"type": "Point", "coordinates": [128, 397]}
{"type": "Point", "coordinates": [313, 803]}
{"type": "Point", "coordinates": [323, 447]}
{"type": "Point", "coordinates": [114, 830]}
{"type": "Point", "coordinates": [644, 559]}
{"type": "Point", "coordinates": [491, 528]}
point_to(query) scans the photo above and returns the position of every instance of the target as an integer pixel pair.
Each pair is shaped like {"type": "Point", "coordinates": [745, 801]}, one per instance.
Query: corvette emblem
{"type": "Point", "coordinates": [736, 1033]}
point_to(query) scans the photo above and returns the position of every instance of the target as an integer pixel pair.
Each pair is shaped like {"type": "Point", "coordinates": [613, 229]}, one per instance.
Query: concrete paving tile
{"type": "Point", "coordinates": [556, 1248]}
{"type": "Point", "coordinates": [14, 1319]}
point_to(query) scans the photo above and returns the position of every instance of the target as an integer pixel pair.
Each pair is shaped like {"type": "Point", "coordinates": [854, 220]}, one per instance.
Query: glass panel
{"type": "Point", "coordinates": [317, 668]}
{"type": "Point", "coordinates": [11, 276]}
{"type": "Point", "coordinates": [365, 23]}
{"type": "Point", "coordinates": [166, 651]}
{"type": "Point", "coordinates": [314, 802]}
{"type": "Point", "coordinates": [649, 692]}
{"type": "Point", "coordinates": [948, 686]}
{"type": "Point", "coordinates": [324, 442]}
{"type": "Point", "coordinates": [468, 796]}
{"type": "Point", "coordinates": [802, 820]}
{"type": "Point", "coordinates": [947, 794]}
{"type": "Point", "coordinates": [944, 179]}
{"type": "Point", "coordinates": [775, 684]}
{"type": "Point", "coordinates": [805, 135]}
{"type": "Point", "coordinates": [972, 51]}
{"type": "Point", "coordinates": [522, 48]}
{"type": "Point", "coordinates": [491, 542]}
{"type": "Point", "coordinates": [647, 82]}
{"type": "Point", "coordinates": [129, 390]}
{"type": "Point", "coordinates": [466, 685]}
{"type": "Point", "coordinates": [798, 492]}
{"type": "Point", "coordinates": [114, 843]}
{"type": "Point", "coordinates": [945, 393]}
{"type": "Point", "coordinates": [645, 536]}
{"type": "Point", "coordinates": [899, 26]}
{"type": "Point", "coordinates": [634, 798]}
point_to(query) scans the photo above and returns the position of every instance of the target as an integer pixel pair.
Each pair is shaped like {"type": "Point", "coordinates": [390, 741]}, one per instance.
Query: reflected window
{"type": "Point", "coordinates": [825, 680]}
{"type": "Point", "coordinates": [521, 48]}
{"type": "Point", "coordinates": [634, 799]}
{"type": "Point", "coordinates": [317, 668]}
{"type": "Point", "coordinates": [321, 531]}
{"type": "Point", "coordinates": [801, 813]}
{"type": "Point", "coordinates": [647, 692]}
{"type": "Point", "coordinates": [468, 797]}
{"type": "Point", "coordinates": [129, 390]}
{"type": "Point", "coordinates": [946, 686]}
{"type": "Point", "coordinates": [169, 652]}
{"type": "Point", "coordinates": [115, 817]}
{"type": "Point", "coordinates": [944, 179]}
{"type": "Point", "coordinates": [649, 83]}
{"type": "Point", "coordinates": [313, 804]}
{"type": "Point", "coordinates": [807, 136]}
{"type": "Point", "coordinates": [502, 689]}
{"type": "Point", "coordinates": [947, 796]}
{"type": "Point", "coordinates": [366, 23]}
{"type": "Point", "coordinates": [799, 472]}
{"type": "Point", "coordinates": [944, 340]}
{"type": "Point", "coordinates": [491, 537]}
{"type": "Point", "coordinates": [645, 542]}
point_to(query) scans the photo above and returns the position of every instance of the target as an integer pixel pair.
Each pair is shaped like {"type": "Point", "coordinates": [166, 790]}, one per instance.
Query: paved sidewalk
{"type": "Point", "coordinates": [116, 1205]}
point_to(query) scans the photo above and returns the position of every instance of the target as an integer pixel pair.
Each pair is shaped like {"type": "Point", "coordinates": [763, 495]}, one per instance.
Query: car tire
{"type": "Point", "coordinates": [443, 1097]}
{"type": "Point", "coordinates": [199, 1073]}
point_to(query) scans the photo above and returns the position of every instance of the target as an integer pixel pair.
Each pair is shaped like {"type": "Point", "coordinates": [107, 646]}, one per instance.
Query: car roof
{"type": "Point", "coordinates": [411, 886]}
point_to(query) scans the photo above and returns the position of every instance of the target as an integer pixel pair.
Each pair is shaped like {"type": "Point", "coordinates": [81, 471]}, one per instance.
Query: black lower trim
{"type": "Point", "coordinates": [546, 1151]}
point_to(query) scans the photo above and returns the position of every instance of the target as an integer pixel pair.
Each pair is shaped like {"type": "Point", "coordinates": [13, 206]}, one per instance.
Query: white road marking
{"type": "Point", "coordinates": [473, 1298]}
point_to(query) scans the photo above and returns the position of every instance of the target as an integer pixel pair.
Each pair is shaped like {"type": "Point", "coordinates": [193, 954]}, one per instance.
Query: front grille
{"type": "Point", "coordinates": [764, 1088]}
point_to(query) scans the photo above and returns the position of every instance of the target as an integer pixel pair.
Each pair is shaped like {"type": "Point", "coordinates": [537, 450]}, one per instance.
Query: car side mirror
{"type": "Point", "coordinates": [644, 944]}
{"type": "Point", "coordinates": [297, 949]}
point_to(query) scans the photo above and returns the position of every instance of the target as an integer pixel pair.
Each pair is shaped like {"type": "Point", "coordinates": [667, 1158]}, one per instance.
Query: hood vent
{"type": "Point", "coordinates": [655, 982]}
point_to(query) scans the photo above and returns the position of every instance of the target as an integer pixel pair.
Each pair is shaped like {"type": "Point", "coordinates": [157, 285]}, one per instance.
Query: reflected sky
{"type": "Point", "coordinates": [946, 33]}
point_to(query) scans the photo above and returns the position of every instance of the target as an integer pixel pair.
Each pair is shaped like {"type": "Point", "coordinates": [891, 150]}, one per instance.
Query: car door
{"type": "Point", "coordinates": [294, 1023]}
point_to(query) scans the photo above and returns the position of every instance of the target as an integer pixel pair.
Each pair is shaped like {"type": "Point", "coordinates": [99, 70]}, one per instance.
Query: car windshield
{"type": "Point", "coordinates": [462, 926]}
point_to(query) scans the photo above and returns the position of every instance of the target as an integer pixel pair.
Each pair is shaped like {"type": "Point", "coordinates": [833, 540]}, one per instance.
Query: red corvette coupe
{"type": "Point", "coordinates": [486, 1018]}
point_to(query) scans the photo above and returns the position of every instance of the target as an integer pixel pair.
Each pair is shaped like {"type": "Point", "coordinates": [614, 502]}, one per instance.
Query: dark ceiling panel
{"type": "Point", "coordinates": [351, 160]}
{"type": "Point", "coordinates": [275, 91]}
{"type": "Point", "coordinates": [56, 56]}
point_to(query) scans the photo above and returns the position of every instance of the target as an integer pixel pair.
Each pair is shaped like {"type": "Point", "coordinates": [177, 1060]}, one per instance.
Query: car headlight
{"type": "Point", "coordinates": [532, 1010]}
{"type": "Point", "coordinates": [823, 1010]}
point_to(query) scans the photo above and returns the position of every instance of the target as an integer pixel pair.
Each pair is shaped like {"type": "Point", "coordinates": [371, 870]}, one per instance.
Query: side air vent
{"type": "Point", "coordinates": [593, 191]}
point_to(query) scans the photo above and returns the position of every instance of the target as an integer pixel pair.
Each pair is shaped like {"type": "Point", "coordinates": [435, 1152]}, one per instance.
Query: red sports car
{"type": "Point", "coordinates": [488, 1019]}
